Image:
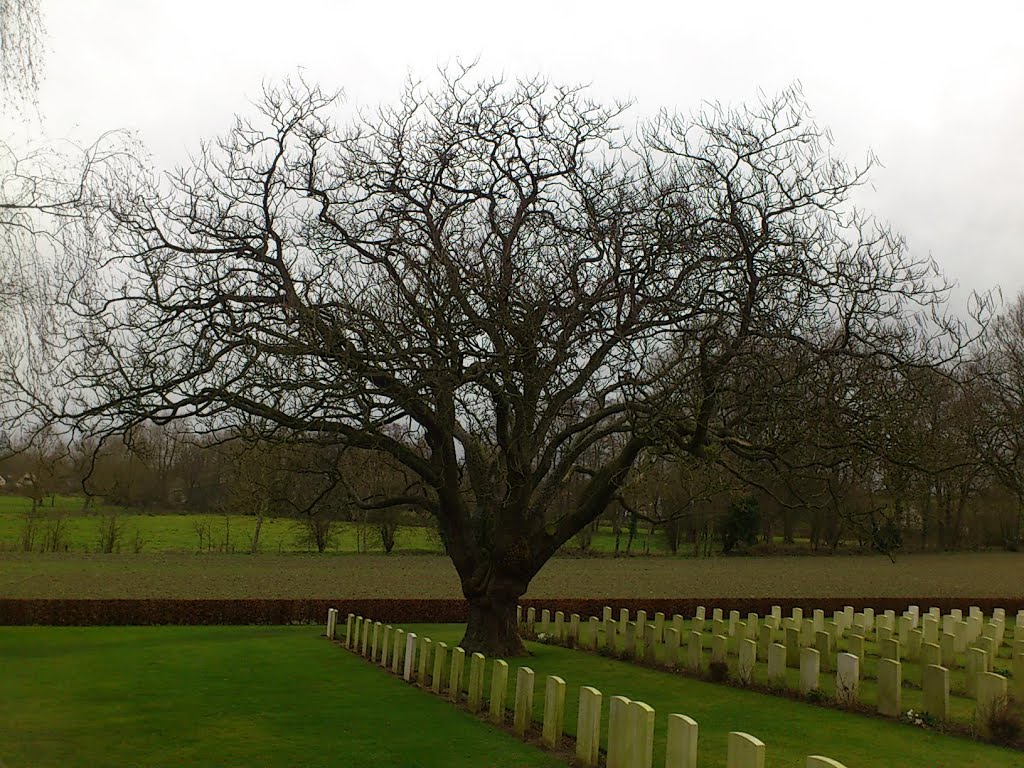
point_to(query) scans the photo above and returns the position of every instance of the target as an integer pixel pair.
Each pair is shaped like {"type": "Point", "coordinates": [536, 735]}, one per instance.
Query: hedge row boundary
{"type": "Point", "coordinates": [157, 611]}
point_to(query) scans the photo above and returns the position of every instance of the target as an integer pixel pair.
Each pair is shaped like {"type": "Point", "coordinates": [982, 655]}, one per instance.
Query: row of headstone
{"type": "Point", "coordinates": [631, 724]}
{"type": "Point", "coordinates": [640, 640]}
{"type": "Point", "coordinates": [796, 631]}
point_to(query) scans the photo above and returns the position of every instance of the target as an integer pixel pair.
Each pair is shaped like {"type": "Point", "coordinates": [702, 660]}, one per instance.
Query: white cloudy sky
{"type": "Point", "coordinates": [935, 89]}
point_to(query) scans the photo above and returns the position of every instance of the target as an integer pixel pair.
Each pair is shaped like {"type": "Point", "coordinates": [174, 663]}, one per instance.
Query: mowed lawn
{"type": "Point", "coordinates": [223, 696]}
{"type": "Point", "coordinates": [791, 729]}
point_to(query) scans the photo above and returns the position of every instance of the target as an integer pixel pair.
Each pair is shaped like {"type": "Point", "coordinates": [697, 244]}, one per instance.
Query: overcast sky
{"type": "Point", "coordinates": [936, 90]}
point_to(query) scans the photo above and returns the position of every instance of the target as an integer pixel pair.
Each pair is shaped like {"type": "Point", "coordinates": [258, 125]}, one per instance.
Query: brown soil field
{"type": "Point", "coordinates": [996, 575]}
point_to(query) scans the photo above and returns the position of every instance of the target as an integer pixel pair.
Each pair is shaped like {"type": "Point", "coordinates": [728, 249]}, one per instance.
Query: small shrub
{"type": "Point", "coordinates": [204, 532]}
{"type": "Point", "coordinates": [28, 534]}
{"type": "Point", "coordinates": [741, 525]}
{"type": "Point", "coordinates": [55, 535]}
{"type": "Point", "coordinates": [718, 671]}
{"type": "Point", "coordinates": [317, 531]}
{"type": "Point", "coordinates": [110, 532]}
{"type": "Point", "coordinates": [845, 695]}
{"type": "Point", "coordinates": [817, 696]}
{"type": "Point", "coordinates": [1005, 724]}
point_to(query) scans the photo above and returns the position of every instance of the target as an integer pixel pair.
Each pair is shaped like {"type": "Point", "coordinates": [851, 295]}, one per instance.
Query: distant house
{"type": "Point", "coordinates": [3, 482]}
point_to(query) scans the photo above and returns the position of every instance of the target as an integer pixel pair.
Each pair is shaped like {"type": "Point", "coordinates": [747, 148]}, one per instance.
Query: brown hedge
{"type": "Point", "coordinates": [112, 612]}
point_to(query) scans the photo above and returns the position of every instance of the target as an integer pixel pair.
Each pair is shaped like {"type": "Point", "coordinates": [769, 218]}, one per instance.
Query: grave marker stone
{"type": "Point", "coordinates": [681, 742]}
{"type": "Point", "coordinates": [777, 664]}
{"type": "Point", "coordinates": [847, 678]}
{"type": "Point", "coordinates": [630, 638]}
{"type": "Point", "coordinates": [475, 695]}
{"type": "Point", "coordinates": [935, 688]}
{"type": "Point", "coordinates": [719, 649]}
{"type": "Point", "coordinates": [410, 656]}
{"type": "Point", "coordinates": [671, 647]}
{"type": "Point", "coordinates": [440, 662]}
{"type": "Point", "coordinates": [642, 722]}
{"type": "Point", "coordinates": [650, 644]}
{"type": "Point", "coordinates": [947, 644]}
{"type": "Point", "coordinates": [377, 628]}
{"type": "Point", "coordinates": [988, 645]}
{"type": "Point", "coordinates": [694, 652]}
{"type": "Point", "coordinates": [1018, 675]}
{"type": "Point", "coordinates": [890, 687]}
{"type": "Point", "coordinates": [817, 761]}
{"type": "Point", "coordinates": [792, 647]}
{"type": "Point", "coordinates": [991, 699]}
{"type": "Point", "coordinates": [744, 751]}
{"type": "Point", "coordinates": [810, 665]}
{"type": "Point", "coordinates": [554, 711]}
{"type": "Point", "coordinates": [977, 663]}
{"type": "Point", "coordinates": [747, 660]}
{"type": "Point", "coordinates": [499, 685]}
{"type": "Point", "coordinates": [524, 701]}
{"type": "Point", "coordinates": [914, 639]}
{"type": "Point", "coordinates": [619, 732]}
{"type": "Point", "coordinates": [455, 675]}
{"type": "Point", "coordinates": [426, 646]}
{"type": "Point", "coordinates": [385, 643]}
{"type": "Point", "coordinates": [588, 727]}
{"type": "Point", "coordinates": [889, 649]}
{"type": "Point", "coordinates": [823, 645]}
{"type": "Point", "coordinates": [960, 636]}
{"type": "Point", "coordinates": [397, 649]}
{"type": "Point", "coordinates": [903, 626]}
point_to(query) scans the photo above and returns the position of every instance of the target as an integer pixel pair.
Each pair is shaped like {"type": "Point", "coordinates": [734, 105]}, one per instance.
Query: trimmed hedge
{"type": "Point", "coordinates": [112, 612]}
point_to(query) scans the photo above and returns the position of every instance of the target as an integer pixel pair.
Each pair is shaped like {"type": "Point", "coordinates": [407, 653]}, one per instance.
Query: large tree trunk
{"type": "Point", "coordinates": [492, 629]}
{"type": "Point", "coordinates": [493, 594]}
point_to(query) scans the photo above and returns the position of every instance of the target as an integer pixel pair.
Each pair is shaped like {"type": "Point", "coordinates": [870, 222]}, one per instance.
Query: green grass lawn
{"type": "Point", "coordinates": [176, 531]}
{"type": "Point", "coordinates": [217, 696]}
{"type": "Point", "coordinates": [791, 729]}
{"type": "Point", "coordinates": [179, 532]}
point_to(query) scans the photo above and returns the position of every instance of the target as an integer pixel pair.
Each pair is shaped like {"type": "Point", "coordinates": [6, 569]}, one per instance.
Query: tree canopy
{"type": "Point", "coordinates": [496, 286]}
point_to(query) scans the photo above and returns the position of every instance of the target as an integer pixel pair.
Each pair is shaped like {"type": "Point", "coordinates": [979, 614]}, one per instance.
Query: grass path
{"type": "Point", "coordinates": [217, 696]}
{"type": "Point", "coordinates": [791, 729]}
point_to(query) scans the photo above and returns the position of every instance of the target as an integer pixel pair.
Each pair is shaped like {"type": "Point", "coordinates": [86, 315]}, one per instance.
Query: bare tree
{"type": "Point", "coordinates": [998, 398]}
{"type": "Point", "coordinates": [491, 285]}
{"type": "Point", "coordinates": [21, 49]}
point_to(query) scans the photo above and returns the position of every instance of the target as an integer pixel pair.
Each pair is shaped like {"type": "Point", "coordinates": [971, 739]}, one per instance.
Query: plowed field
{"type": "Point", "coordinates": [310, 576]}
